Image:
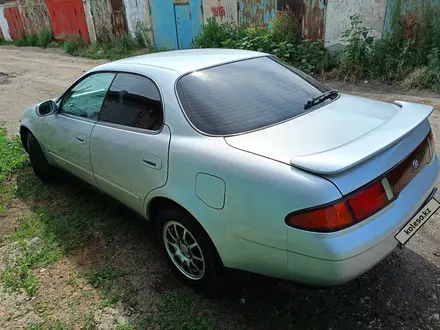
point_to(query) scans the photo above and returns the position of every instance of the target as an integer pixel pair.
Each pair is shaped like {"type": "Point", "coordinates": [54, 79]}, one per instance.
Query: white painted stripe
{"type": "Point", "coordinates": [4, 26]}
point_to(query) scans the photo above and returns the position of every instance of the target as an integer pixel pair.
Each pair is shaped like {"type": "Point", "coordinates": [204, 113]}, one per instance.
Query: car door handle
{"type": "Point", "coordinates": [152, 162]}
{"type": "Point", "coordinates": [81, 139]}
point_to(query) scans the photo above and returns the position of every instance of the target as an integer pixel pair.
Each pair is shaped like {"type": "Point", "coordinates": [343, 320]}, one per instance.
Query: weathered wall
{"type": "Point", "coordinates": [410, 16]}
{"type": "Point", "coordinates": [256, 12]}
{"type": "Point", "coordinates": [35, 13]}
{"type": "Point", "coordinates": [4, 27]}
{"type": "Point", "coordinates": [138, 16]}
{"type": "Point", "coordinates": [108, 17]}
{"type": "Point", "coordinates": [371, 12]}
{"type": "Point", "coordinates": [223, 10]}
{"type": "Point", "coordinates": [313, 21]}
{"type": "Point", "coordinates": [89, 21]}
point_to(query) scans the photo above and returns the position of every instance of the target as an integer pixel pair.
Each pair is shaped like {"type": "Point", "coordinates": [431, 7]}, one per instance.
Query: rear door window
{"type": "Point", "coordinates": [133, 101]}
{"type": "Point", "coordinates": [244, 96]}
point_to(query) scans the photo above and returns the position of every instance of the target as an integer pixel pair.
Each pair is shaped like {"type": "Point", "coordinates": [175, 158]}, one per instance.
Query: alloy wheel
{"type": "Point", "coordinates": [184, 250]}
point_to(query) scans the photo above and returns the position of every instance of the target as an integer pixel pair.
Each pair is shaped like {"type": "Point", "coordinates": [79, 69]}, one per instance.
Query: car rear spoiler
{"type": "Point", "coordinates": [366, 146]}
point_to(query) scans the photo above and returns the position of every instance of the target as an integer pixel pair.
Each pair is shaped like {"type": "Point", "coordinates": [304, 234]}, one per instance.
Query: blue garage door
{"type": "Point", "coordinates": [175, 22]}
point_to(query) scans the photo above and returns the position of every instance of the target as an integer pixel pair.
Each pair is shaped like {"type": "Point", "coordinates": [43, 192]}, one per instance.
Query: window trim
{"type": "Point", "coordinates": [88, 74]}
{"type": "Point", "coordinates": [129, 128]}
{"type": "Point", "coordinates": [271, 57]}
{"type": "Point", "coordinates": [76, 83]}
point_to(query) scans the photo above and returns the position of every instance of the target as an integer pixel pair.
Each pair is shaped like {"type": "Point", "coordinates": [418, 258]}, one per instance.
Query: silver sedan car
{"type": "Point", "coordinates": [241, 161]}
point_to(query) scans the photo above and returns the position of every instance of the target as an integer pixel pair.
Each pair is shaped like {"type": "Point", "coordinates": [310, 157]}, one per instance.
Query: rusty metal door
{"type": "Point", "coordinates": [68, 18]}
{"type": "Point", "coordinates": [15, 25]}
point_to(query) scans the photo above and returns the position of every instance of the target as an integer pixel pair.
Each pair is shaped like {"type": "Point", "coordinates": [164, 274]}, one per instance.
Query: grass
{"type": "Point", "coordinates": [53, 325]}
{"type": "Point", "coordinates": [113, 48]}
{"type": "Point", "coordinates": [12, 156]}
{"type": "Point", "coordinates": [68, 218]}
{"type": "Point", "coordinates": [182, 310]}
{"type": "Point", "coordinates": [105, 276]}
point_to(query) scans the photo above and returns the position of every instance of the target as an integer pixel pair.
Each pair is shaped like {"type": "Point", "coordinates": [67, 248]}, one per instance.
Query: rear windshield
{"type": "Point", "coordinates": [243, 96]}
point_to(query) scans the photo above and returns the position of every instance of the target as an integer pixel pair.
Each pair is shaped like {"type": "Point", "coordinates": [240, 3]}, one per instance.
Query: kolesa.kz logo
{"type": "Point", "coordinates": [416, 222]}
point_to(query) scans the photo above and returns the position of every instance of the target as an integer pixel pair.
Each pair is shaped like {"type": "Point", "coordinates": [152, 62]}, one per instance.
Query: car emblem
{"type": "Point", "coordinates": [415, 164]}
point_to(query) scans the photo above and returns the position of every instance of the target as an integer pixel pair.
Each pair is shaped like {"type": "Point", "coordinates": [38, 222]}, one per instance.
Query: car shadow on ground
{"type": "Point", "coordinates": [402, 292]}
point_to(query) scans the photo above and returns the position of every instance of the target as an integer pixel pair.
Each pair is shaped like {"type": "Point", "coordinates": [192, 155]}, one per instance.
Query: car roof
{"type": "Point", "coordinates": [183, 61]}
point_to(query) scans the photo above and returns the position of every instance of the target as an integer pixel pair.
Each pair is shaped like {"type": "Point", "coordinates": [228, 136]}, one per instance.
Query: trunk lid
{"type": "Point", "coordinates": [336, 138]}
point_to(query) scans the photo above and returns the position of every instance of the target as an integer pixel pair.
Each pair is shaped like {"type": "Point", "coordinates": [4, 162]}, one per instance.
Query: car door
{"type": "Point", "coordinates": [129, 143]}
{"type": "Point", "coordinates": [66, 133]}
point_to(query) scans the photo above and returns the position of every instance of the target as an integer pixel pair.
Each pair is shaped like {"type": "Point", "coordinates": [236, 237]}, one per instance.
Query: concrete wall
{"type": "Point", "coordinates": [371, 12]}
{"type": "Point", "coordinates": [4, 27]}
{"type": "Point", "coordinates": [223, 10]}
{"type": "Point", "coordinates": [137, 13]}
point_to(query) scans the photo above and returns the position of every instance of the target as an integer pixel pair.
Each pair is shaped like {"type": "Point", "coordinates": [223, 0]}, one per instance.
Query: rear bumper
{"type": "Point", "coordinates": [332, 259]}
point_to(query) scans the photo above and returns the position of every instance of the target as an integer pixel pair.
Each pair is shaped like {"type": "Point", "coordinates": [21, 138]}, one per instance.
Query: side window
{"type": "Point", "coordinates": [85, 99]}
{"type": "Point", "coordinates": [133, 101]}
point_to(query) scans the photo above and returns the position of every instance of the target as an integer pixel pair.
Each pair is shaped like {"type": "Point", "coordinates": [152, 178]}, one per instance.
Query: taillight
{"type": "Point", "coordinates": [367, 200]}
{"type": "Point", "coordinates": [328, 218]}
{"type": "Point", "coordinates": [342, 213]}
{"type": "Point", "coordinates": [431, 144]}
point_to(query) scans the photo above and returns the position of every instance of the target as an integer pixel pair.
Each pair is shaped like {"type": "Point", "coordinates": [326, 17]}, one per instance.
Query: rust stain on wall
{"type": "Point", "coordinates": [108, 17]}
{"type": "Point", "coordinates": [411, 24]}
{"type": "Point", "coordinates": [35, 15]}
{"type": "Point", "coordinates": [256, 12]}
{"type": "Point", "coordinates": [314, 19]}
{"type": "Point", "coordinates": [119, 24]}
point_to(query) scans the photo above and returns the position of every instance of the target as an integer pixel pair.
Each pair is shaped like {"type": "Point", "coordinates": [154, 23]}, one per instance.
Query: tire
{"type": "Point", "coordinates": [42, 169]}
{"type": "Point", "coordinates": [195, 258]}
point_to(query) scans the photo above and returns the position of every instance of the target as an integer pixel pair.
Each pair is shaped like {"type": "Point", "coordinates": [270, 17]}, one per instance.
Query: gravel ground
{"type": "Point", "coordinates": [402, 292]}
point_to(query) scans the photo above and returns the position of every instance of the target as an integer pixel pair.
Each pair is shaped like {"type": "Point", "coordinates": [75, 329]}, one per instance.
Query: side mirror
{"type": "Point", "coordinates": [47, 108]}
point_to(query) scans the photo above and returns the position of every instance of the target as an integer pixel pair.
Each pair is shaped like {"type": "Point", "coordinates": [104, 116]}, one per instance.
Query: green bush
{"type": "Point", "coordinates": [285, 27]}
{"type": "Point", "coordinates": [213, 34]}
{"type": "Point", "coordinates": [307, 55]}
{"type": "Point", "coordinates": [23, 41]}
{"type": "Point", "coordinates": [32, 40]}
{"type": "Point", "coordinates": [74, 45]}
{"type": "Point", "coordinates": [395, 57]}
{"type": "Point", "coordinates": [44, 38]}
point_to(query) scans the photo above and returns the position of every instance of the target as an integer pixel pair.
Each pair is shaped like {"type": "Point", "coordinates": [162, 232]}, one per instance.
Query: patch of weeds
{"type": "Point", "coordinates": [7, 192]}
{"type": "Point", "coordinates": [109, 301]}
{"type": "Point", "coordinates": [4, 42]}
{"type": "Point", "coordinates": [12, 155]}
{"type": "Point", "coordinates": [286, 27]}
{"type": "Point", "coordinates": [44, 38]}
{"type": "Point", "coordinates": [32, 39]}
{"type": "Point", "coordinates": [52, 325]}
{"type": "Point", "coordinates": [104, 277]}
{"type": "Point", "coordinates": [89, 322]}
{"type": "Point", "coordinates": [183, 310]}
{"type": "Point", "coordinates": [283, 41]}
{"type": "Point", "coordinates": [23, 41]}
{"type": "Point", "coordinates": [20, 276]}
{"type": "Point", "coordinates": [126, 326]}
{"type": "Point", "coordinates": [30, 247]}
{"type": "Point", "coordinates": [74, 45]}
{"type": "Point", "coordinates": [35, 226]}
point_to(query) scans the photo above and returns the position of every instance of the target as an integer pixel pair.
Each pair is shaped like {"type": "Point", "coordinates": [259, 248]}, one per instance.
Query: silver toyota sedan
{"type": "Point", "coordinates": [242, 161]}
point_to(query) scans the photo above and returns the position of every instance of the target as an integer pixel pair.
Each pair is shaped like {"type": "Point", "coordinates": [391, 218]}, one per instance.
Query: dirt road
{"type": "Point", "coordinates": [29, 75]}
{"type": "Point", "coordinates": [402, 292]}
